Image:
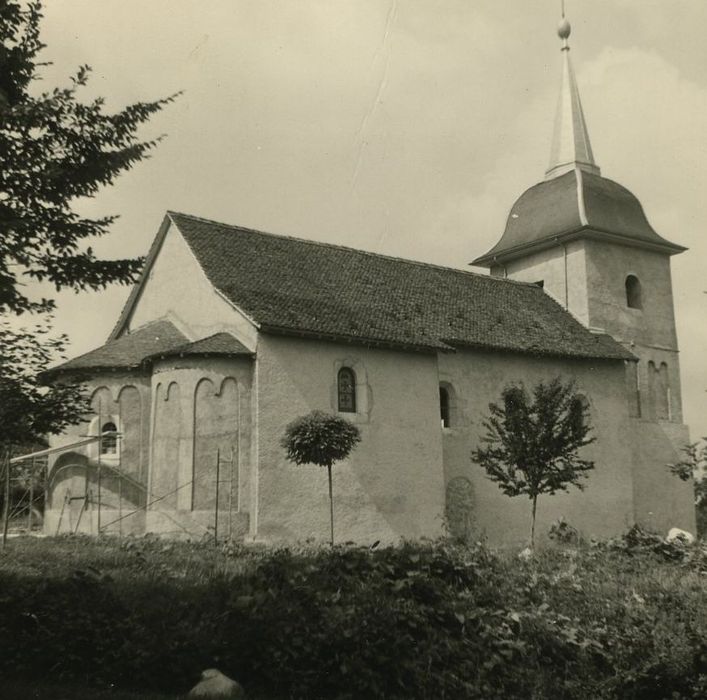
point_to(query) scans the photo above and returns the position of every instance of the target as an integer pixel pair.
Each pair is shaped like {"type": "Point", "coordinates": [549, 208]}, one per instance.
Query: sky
{"type": "Point", "coordinates": [403, 127]}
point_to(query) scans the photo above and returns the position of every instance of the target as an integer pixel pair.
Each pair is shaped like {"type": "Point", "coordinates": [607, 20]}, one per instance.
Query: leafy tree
{"type": "Point", "coordinates": [532, 441]}
{"type": "Point", "coordinates": [692, 466]}
{"type": "Point", "coordinates": [320, 438]}
{"type": "Point", "coordinates": [54, 149]}
{"type": "Point", "coordinates": [30, 410]}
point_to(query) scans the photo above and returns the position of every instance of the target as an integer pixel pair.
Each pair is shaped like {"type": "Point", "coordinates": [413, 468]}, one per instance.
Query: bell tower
{"type": "Point", "coordinates": [587, 241]}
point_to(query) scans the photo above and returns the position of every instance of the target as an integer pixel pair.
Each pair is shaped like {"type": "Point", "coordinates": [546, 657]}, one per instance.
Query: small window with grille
{"type": "Point", "coordinates": [109, 439]}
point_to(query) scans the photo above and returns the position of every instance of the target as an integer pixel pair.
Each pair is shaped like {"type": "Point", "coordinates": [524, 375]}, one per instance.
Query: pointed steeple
{"type": "Point", "coordinates": [570, 142]}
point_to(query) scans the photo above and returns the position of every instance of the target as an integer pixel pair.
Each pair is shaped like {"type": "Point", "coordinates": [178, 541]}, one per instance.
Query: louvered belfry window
{"type": "Point", "coordinates": [346, 386]}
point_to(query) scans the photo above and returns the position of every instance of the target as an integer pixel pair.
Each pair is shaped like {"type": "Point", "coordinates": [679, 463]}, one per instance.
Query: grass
{"type": "Point", "coordinates": [624, 619]}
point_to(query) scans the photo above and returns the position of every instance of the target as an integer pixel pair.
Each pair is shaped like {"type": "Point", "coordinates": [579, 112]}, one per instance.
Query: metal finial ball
{"type": "Point", "coordinates": [564, 29]}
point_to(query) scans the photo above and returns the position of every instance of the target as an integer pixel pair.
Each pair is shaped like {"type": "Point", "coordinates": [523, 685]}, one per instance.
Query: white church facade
{"type": "Point", "coordinates": [231, 333]}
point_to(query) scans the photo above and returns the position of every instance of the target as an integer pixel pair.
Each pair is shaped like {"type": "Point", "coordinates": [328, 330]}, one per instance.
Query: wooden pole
{"type": "Point", "coordinates": [218, 475]}
{"type": "Point", "coordinates": [31, 501]}
{"type": "Point", "coordinates": [230, 498]}
{"type": "Point", "coordinates": [100, 451]}
{"type": "Point", "coordinates": [6, 509]}
{"type": "Point", "coordinates": [120, 505]}
{"type": "Point", "coordinates": [331, 505]}
{"type": "Point", "coordinates": [99, 496]}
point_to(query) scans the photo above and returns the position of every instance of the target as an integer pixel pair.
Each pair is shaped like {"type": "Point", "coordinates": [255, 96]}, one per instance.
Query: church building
{"type": "Point", "coordinates": [232, 333]}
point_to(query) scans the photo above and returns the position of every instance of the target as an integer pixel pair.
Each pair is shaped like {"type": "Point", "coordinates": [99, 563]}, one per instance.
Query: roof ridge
{"type": "Point", "coordinates": [338, 246]}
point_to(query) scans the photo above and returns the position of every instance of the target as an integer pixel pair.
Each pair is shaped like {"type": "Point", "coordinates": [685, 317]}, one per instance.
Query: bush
{"type": "Point", "coordinates": [430, 620]}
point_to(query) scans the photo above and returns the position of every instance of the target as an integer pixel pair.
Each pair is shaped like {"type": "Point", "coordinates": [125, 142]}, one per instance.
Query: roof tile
{"type": "Point", "coordinates": [290, 285]}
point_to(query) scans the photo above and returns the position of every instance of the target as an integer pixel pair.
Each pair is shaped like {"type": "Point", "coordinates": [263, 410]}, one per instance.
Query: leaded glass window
{"type": "Point", "coordinates": [347, 390]}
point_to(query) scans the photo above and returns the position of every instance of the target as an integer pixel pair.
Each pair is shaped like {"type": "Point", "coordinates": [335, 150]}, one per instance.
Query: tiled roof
{"type": "Point", "coordinates": [293, 286]}
{"type": "Point", "coordinates": [217, 344]}
{"type": "Point", "coordinates": [129, 350]}
{"type": "Point", "coordinates": [152, 341]}
{"type": "Point", "coordinates": [551, 210]}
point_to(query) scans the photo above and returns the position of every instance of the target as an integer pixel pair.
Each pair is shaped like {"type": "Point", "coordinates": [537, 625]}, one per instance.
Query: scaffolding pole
{"type": "Point", "coordinates": [218, 476]}
{"type": "Point", "coordinates": [230, 498]}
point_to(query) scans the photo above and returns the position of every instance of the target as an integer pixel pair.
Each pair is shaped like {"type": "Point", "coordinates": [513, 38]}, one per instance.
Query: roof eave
{"type": "Point", "coordinates": [432, 347]}
{"type": "Point", "coordinates": [52, 372]}
{"type": "Point", "coordinates": [539, 352]}
{"type": "Point", "coordinates": [501, 257]}
{"type": "Point", "coordinates": [204, 353]}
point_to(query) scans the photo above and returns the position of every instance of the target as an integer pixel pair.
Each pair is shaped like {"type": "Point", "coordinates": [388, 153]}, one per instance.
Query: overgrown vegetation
{"type": "Point", "coordinates": [623, 619]}
{"type": "Point", "coordinates": [693, 466]}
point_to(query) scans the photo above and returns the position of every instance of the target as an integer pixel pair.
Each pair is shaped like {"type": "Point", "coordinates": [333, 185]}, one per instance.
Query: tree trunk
{"type": "Point", "coordinates": [532, 526]}
{"type": "Point", "coordinates": [331, 506]}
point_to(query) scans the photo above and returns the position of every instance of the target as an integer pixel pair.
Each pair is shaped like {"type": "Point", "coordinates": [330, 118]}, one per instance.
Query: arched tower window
{"type": "Point", "coordinates": [346, 390]}
{"type": "Point", "coordinates": [633, 293]}
{"type": "Point", "coordinates": [109, 439]}
{"type": "Point", "coordinates": [444, 407]}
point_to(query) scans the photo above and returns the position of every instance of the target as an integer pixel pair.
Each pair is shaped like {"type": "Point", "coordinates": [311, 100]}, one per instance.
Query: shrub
{"type": "Point", "coordinates": [426, 620]}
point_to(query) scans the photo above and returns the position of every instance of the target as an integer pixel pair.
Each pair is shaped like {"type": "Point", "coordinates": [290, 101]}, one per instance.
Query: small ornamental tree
{"type": "Point", "coordinates": [320, 438]}
{"type": "Point", "coordinates": [532, 442]}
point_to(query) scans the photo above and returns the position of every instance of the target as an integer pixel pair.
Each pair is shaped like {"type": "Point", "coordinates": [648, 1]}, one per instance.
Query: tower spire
{"type": "Point", "coordinates": [570, 142]}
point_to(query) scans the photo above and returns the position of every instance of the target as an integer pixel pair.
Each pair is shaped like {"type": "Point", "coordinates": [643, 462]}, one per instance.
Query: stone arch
{"type": "Point", "coordinates": [216, 434]}
{"type": "Point", "coordinates": [106, 418]}
{"type": "Point", "coordinates": [659, 391]}
{"type": "Point", "coordinates": [101, 398]}
{"type": "Point", "coordinates": [459, 508]}
{"type": "Point", "coordinates": [130, 411]}
{"type": "Point", "coordinates": [662, 407]}
{"type": "Point", "coordinates": [165, 445]}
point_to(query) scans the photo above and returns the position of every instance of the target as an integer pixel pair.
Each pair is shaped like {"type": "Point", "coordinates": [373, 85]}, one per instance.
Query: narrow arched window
{"type": "Point", "coordinates": [109, 439]}
{"type": "Point", "coordinates": [444, 407]}
{"type": "Point", "coordinates": [584, 403]}
{"type": "Point", "coordinates": [633, 293]}
{"type": "Point", "coordinates": [662, 407]}
{"type": "Point", "coordinates": [346, 388]}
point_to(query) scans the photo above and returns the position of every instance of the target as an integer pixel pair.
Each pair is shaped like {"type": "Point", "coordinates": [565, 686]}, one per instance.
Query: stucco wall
{"type": "Point", "coordinates": [177, 288]}
{"type": "Point", "coordinates": [201, 405]}
{"type": "Point", "coordinates": [648, 331]}
{"type": "Point", "coordinates": [608, 265]}
{"type": "Point", "coordinates": [661, 500]}
{"type": "Point", "coordinates": [392, 485]}
{"type": "Point", "coordinates": [562, 269]}
{"type": "Point", "coordinates": [604, 508]}
{"type": "Point", "coordinates": [123, 398]}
